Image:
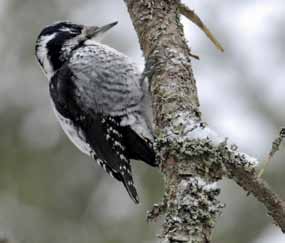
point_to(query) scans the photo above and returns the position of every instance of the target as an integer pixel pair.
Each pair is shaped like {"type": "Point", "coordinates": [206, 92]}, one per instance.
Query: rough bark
{"type": "Point", "coordinates": [193, 156]}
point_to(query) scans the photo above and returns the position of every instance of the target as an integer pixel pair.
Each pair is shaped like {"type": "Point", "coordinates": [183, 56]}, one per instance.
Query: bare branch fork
{"type": "Point", "coordinates": [193, 156]}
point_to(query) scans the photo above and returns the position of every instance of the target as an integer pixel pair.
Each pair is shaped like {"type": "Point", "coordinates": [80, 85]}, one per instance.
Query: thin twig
{"type": "Point", "coordinates": [193, 17]}
{"type": "Point", "coordinates": [275, 148]}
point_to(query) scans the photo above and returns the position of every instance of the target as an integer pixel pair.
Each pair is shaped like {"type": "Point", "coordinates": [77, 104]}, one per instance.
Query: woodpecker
{"type": "Point", "coordinates": [99, 98]}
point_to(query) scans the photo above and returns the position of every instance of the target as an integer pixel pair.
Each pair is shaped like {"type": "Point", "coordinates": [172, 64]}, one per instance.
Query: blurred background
{"type": "Point", "coordinates": [50, 192]}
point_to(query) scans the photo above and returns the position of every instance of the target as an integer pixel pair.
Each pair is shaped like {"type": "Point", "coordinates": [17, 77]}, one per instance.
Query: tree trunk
{"type": "Point", "coordinates": [193, 157]}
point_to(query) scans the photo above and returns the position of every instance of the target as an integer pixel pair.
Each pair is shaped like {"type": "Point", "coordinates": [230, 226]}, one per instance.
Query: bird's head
{"type": "Point", "coordinates": [56, 42]}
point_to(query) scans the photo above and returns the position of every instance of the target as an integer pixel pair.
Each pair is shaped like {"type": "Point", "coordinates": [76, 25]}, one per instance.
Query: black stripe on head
{"type": "Point", "coordinates": [60, 27]}
{"type": "Point", "coordinates": [63, 32]}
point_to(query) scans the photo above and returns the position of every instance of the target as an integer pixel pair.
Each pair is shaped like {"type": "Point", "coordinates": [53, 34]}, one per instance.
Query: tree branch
{"type": "Point", "coordinates": [252, 183]}
{"type": "Point", "coordinates": [193, 156]}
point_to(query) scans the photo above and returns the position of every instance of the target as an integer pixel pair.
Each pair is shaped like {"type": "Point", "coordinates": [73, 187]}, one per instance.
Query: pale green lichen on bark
{"type": "Point", "coordinates": [192, 208]}
{"type": "Point", "coordinates": [193, 157]}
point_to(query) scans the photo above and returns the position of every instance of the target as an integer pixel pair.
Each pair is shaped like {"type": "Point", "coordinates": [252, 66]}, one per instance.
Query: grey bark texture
{"type": "Point", "coordinates": [193, 156]}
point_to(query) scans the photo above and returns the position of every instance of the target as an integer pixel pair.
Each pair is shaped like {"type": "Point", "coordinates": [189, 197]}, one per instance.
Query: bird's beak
{"type": "Point", "coordinates": [94, 32]}
{"type": "Point", "coordinates": [106, 27]}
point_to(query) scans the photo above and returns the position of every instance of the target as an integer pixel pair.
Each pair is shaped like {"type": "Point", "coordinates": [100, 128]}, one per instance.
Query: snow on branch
{"type": "Point", "coordinates": [235, 164]}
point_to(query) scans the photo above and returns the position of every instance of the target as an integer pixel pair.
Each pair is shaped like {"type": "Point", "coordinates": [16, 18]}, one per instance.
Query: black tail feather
{"type": "Point", "coordinates": [106, 140]}
{"type": "Point", "coordinates": [129, 185]}
{"type": "Point", "coordinates": [140, 148]}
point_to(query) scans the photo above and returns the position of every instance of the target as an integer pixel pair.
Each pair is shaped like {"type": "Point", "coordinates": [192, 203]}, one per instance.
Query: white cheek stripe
{"type": "Point", "coordinates": [42, 55]}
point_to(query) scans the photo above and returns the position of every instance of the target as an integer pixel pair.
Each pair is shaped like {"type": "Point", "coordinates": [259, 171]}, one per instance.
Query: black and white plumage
{"type": "Point", "coordinates": [99, 98]}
